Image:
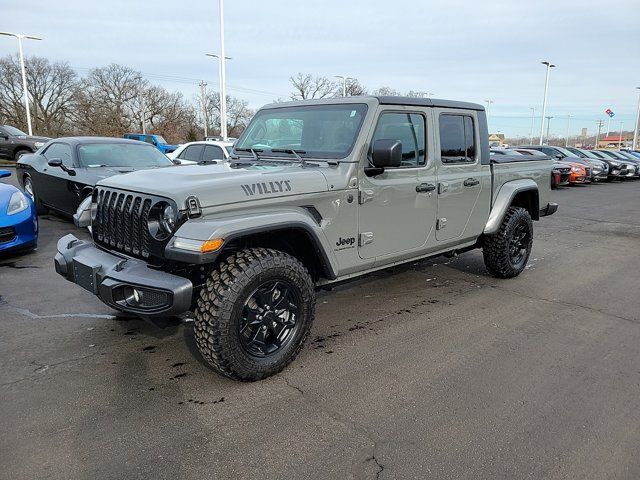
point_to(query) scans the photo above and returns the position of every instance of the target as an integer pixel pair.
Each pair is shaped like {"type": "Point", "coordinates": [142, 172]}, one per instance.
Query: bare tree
{"type": "Point", "coordinates": [355, 88]}
{"type": "Point", "coordinates": [306, 86]}
{"type": "Point", "coordinates": [386, 91]}
{"type": "Point", "coordinates": [51, 89]}
{"type": "Point", "coordinates": [238, 114]}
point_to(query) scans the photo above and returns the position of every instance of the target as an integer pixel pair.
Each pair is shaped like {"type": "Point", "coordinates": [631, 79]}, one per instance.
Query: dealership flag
{"type": "Point", "coordinates": [609, 112]}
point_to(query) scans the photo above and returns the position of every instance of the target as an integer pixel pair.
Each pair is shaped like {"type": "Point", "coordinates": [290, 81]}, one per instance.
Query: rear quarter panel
{"type": "Point", "coordinates": [538, 170]}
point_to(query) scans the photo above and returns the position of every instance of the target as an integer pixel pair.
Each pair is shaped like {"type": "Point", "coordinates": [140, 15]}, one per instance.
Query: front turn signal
{"type": "Point", "coordinates": [211, 245]}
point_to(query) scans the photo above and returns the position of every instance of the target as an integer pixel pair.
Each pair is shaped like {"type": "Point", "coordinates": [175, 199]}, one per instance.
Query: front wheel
{"type": "Point", "coordinates": [254, 313]}
{"type": "Point", "coordinates": [506, 252]}
{"type": "Point", "coordinates": [30, 190]}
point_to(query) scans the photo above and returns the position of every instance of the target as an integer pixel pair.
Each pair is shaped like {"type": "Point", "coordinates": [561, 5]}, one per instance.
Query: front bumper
{"type": "Point", "coordinates": [19, 231]}
{"type": "Point", "coordinates": [121, 282]}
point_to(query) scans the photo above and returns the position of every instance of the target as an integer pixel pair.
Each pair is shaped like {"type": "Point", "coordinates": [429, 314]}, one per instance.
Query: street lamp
{"type": "Point", "coordinates": [635, 131]}
{"type": "Point", "coordinates": [138, 79]}
{"type": "Point", "coordinates": [620, 144]}
{"type": "Point", "coordinates": [20, 36]}
{"type": "Point", "coordinates": [566, 141]}
{"type": "Point", "coordinates": [488, 102]}
{"type": "Point", "coordinates": [544, 102]}
{"type": "Point", "coordinates": [548, 125]}
{"type": "Point", "coordinates": [344, 83]}
{"type": "Point", "coordinates": [223, 95]}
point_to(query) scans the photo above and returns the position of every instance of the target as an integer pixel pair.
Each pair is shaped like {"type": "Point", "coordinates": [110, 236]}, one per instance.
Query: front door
{"type": "Point", "coordinates": [464, 185]}
{"type": "Point", "coordinates": [57, 188]}
{"type": "Point", "coordinates": [397, 208]}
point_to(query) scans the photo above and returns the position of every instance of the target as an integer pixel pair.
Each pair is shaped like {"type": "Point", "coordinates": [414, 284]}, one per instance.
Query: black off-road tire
{"type": "Point", "coordinates": [218, 314]}
{"type": "Point", "coordinates": [496, 248]}
{"type": "Point", "coordinates": [40, 208]}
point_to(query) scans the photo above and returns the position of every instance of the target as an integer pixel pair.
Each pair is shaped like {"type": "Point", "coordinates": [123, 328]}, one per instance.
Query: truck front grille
{"type": "Point", "coordinates": [120, 221]}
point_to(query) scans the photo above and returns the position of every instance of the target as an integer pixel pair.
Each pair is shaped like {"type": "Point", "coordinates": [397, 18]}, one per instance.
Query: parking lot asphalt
{"type": "Point", "coordinates": [431, 370]}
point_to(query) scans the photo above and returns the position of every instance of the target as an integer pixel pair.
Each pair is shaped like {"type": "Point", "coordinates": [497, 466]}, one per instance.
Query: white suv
{"type": "Point", "coordinates": [204, 151]}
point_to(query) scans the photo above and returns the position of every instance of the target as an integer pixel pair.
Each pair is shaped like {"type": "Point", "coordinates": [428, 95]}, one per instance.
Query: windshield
{"type": "Point", "coordinates": [121, 155]}
{"type": "Point", "coordinates": [566, 152]}
{"type": "Point", "coordinates": [320, 131]}
{"type": "Point", "coordinates": [160, 139]}
{"type": "Point", "coordinates": [13, 131]}
{"type": "Point", "coordinates": [589, 154]}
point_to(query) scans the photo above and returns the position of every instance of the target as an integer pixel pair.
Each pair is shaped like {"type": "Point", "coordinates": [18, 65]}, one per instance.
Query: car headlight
{"type": "Point", "coordinates": [576, 169]}
{"type": "Point", "coordinates": [168, 219]}
{"type": "Point", "coordinates": [614, 163]}
{"type": "Point", "coordinates": [38, 144]}
{"type": "Point", "coordinates": [17, 203]}
{"type": "Point", "coordinates": [162, 220]}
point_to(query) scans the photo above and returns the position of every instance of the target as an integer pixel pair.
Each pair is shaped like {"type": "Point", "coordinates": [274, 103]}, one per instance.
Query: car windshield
{"type": "Point", "coordinates": [315, 131]}
{"type": "Point", "coordinates": [121, 155]}
{"type": "Point", "coordinates": [13, 131]}
{"type": "Point", "coordinates": [160, 139]}
{"type": "Point", "coordinates": [589, 154]}
{"type": "Point", "coordinates": [566, 152]}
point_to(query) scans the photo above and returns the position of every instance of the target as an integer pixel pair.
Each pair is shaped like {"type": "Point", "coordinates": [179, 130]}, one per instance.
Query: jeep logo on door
{"type": "Point", "coordinates": [267, 188]}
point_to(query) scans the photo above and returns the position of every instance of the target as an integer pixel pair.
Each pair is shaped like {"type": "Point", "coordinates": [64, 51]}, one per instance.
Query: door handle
{"type": "Point", "coordinates": [471, 182]}
{"type": "Point", "coordinates": [425, 187]}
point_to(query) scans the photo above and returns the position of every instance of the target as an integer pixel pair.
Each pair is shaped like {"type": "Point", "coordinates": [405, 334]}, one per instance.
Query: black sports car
{"type": "Point", "coordinates": [61, 174]}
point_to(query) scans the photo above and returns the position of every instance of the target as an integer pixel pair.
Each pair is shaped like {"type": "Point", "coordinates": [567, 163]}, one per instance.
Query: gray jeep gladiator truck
{"type": "Point", "coordinates": [317, 192]}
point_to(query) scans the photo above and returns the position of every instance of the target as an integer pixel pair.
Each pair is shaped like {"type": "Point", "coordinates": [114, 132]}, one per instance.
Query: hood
{"type": "Point", "coordinates": [106, 172]}
{"type": "Point", "coordinates": [222, 184]}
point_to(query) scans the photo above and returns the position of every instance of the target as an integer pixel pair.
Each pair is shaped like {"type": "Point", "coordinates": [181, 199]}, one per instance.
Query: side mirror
{"type": "Point", "coordinates": [56, 162]}
{"type": "Point", "coordinates": [384, 153]}
{"type": "Point", "coordinates": [4, 135]}
{"type": "Point", "coordinates": [559, 156]}
{"type": "Point", "coordinates": [5, 173]}
{"type": "Point", "coordinates": [176, 161]}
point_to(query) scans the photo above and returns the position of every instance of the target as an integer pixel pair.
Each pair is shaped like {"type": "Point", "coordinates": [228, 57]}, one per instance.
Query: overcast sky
{"type": "Point", "coordinates": [457, 49]}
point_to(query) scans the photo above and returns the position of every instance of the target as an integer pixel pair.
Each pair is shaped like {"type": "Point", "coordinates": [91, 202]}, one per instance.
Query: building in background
{"type": "Point", "coordinates": [613, 141]}
{"type": "Point", "coordinates": [496, 139]}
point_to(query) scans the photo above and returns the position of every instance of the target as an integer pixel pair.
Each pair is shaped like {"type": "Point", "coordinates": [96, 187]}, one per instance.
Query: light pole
{"type": "Point", "coordinates": [548, 125]}
{"type": "Point", "coordinates": [566, 141]}
{"type": "Point", "coordinates": [20, 36]}
{"type": "Point", "coordinates": [344, 83]}
{"type": "Point", "coordinates": [620, 143]}
{"type": "Point", "coordinates": [600, 124]}
{"type": "Point", "coordinates": [223, 95]}
{"type": "Point", "coordinates": [635, 130]}
{"type": "Point", "coordinates": [488, 102]}
{"type": "Point", "coordinates": [142, 107]}
{"type": "Point", "coordinates": [544, 101]}
{"type": "Point", "coordinates": [533, 112]}
{"type": "Point", "coordinates": [203, 105]}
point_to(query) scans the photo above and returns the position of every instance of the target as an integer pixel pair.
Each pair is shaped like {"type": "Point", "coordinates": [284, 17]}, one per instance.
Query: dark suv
{"type": "Point", "coordinates": [14, 143]}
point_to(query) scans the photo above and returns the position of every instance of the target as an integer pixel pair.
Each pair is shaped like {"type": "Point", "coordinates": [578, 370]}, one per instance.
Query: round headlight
{"type": "Point", "coordinates": [168, 219]}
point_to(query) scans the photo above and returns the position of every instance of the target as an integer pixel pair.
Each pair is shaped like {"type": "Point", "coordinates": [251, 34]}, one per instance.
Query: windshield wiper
{"type": "Point", "coordinates": [253, 151]}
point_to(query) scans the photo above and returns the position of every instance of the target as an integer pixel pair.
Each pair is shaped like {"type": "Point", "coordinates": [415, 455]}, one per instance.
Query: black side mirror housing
{"type": "Point", "coordinates": [176, 161]}
{"type": "Point", "coordinates": [385, 153]}
{"type": "Point", "coordinates": [559, 156]}
{"type": "Point", "coordinates": [56, 162]}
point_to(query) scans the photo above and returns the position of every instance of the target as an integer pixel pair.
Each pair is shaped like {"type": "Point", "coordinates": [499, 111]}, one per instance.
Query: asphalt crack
{"type": "Point", "coordinates": [371, 451]}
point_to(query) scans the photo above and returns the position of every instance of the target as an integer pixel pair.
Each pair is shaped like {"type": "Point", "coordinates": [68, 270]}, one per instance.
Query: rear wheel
{"type": "Point", "coordinates": [20, 153]}
{"type": "Point", "coordinates": [29, 190]}
{"type": "Point", "coordinates": [254, 313]}
{"type": "Point", "coordinates": [506, 252]}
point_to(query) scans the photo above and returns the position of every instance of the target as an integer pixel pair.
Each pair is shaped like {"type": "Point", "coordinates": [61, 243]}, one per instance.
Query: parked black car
{"type": "Point", "coordinates": [631, 166]}
{"type": "Point", "coordinates": [65, 170]}
{"type": "Point", "coordinates": [15, 143]}
{"type": "Point", "coordinates": [596, 169]}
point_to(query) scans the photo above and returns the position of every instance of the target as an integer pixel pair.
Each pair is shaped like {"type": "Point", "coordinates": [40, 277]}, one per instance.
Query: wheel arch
{"type": "Point", "coordinates": [517, 193]}
{"type": "Point", "coordinates": [292, 230]}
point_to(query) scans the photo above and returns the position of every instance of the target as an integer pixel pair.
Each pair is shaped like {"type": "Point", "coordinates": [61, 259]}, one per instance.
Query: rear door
{"type": "Point", "coordinates": [192, 153]}
{"type": "Point", "coordinates": [464, 184]}
{"type": "Point", "coordinates": [397, 208]}
{"type": "Point", "coordinates": [4, 144]}
{"type": "Point", "coordinates": [213, 152]}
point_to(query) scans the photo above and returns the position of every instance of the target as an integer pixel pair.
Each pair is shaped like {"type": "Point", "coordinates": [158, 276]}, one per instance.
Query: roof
{"type": "Point", "coordinates": [383, 100]}
{"type": "Point", "coordinates": [78, 140]}
{"type": "Point", "coordinates": [616, 138]}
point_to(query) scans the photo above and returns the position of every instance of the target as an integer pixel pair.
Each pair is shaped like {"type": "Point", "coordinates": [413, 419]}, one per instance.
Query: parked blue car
{"type": "Point", "coordinates": [157, 140]}
{"type": "Point", "coordinates": [18, 219]}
